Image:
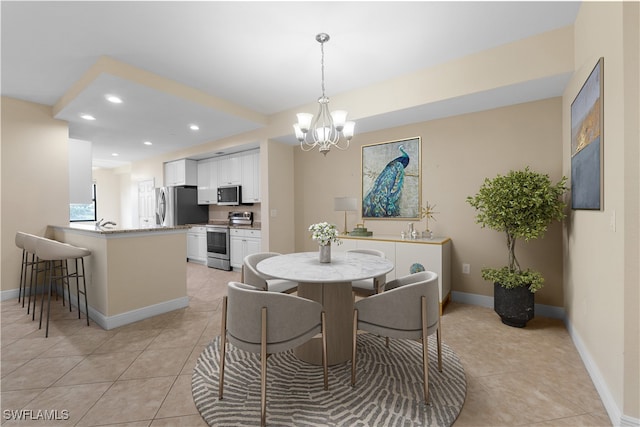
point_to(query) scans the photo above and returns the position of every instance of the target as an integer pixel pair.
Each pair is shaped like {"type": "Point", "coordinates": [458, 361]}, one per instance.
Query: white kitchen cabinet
{"type": "Point", "coordinates": [244, 241]}
{"type": "Point", "coordinates": [208, 181]}
{"type": "Point", "coordinates": [434, 254]}
{"type": "Point", "coordinates": [197, 245]}
{"type": "Point", "coordinates": [180, 172]}
{"type": "Point", "coordinates": [233, 169]}
{"type": "Point", "coordinates": [250, 179]}
{"type": "Point", "coordinates": [229, 170]}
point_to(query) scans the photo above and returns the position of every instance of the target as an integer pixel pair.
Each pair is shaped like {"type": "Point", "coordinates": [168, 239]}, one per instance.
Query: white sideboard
{"type": "Point", "coordinates": [434, 254]}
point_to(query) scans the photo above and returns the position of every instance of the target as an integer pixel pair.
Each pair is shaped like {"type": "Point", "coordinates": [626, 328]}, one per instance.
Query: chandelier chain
{"type": "Point", "coordinates": [322, 66]}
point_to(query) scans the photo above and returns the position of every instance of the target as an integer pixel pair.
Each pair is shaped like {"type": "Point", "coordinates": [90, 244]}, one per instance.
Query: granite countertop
{"type": "Point", "coordinates": [116, 230]}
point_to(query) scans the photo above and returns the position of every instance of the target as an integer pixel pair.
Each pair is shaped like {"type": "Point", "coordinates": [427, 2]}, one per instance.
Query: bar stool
{"type": "Point", "coordinates": [50, 252]}
{"type": "Point", "coordinates": [32, 266]}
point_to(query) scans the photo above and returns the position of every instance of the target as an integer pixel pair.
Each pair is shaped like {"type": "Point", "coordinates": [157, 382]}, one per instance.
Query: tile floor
{"type": "Point", "coordinates": [140, 374]}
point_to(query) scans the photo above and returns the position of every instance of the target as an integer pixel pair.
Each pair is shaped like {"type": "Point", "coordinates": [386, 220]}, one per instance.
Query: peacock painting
{"type": "Point", "coordinates": [388, 195]}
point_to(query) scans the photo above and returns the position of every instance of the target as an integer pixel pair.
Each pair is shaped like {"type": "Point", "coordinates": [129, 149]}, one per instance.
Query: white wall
{"type": "Point", "coordinates": [35, 178]}
{"type": "Point", "coordinates": [601, 247]}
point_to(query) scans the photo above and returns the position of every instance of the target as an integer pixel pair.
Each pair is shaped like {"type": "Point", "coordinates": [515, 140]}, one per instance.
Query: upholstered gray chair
{"type": "Point", "coordinates": [408, 309]}
{"type": "Point", "coordinates": [251, 275]}
{"type": "Point", "coordinates": [267, 323]}
{"type": "Point", "coordinates": [371, 286]}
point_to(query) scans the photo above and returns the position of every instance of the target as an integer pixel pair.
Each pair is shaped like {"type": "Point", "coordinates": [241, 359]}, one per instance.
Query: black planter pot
{"type": "Point", "coordinates": [514, 306]}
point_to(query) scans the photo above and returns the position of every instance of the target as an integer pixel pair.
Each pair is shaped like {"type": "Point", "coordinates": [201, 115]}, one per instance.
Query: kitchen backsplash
{"type": "Point", "coordinates": [221, 213]}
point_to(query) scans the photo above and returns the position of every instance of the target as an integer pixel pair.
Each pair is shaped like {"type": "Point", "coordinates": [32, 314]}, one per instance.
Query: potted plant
{"type": "Point", "coordinates": [325, 233]}
{"type": "Point", "coordinates": [522, 204]}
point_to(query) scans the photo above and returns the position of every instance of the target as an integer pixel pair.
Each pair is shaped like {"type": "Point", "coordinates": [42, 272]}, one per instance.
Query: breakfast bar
{"type": "Point", "coordinates": [132, 274]}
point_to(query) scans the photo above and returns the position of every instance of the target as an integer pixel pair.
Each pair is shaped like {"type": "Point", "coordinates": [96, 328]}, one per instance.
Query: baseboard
{"type": "Point", "coordinates": [615, 414]}
{"type": "Point", "coordinates": [541, 310]}
{"type": "Point", "coordinates": [626, 421]}
{"type": "Point", "coordinates": [111, 322]}
{"type": "Point", "coordinates": [9, 294]}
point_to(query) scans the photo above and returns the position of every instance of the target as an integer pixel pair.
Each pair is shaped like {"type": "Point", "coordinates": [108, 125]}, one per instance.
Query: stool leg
{"type": "Point", "coordinates": [49, 267]}
{"type": "Point", "coordinates": [23, 279]}
{"type": "Point", "coordinates": [46, 269]}
{"type": "Point", "coordinates": [33, 287]}
{"type": "Point", "coordinates": [66, 278]}
{"type": "Point", "coordinates": [84, 287]}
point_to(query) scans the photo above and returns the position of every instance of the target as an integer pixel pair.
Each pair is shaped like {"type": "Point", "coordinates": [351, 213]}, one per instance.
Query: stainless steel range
{"type": "Point", "coordinates": [218, 239]}
{"type": "Point", "coordinates": [218, 247]}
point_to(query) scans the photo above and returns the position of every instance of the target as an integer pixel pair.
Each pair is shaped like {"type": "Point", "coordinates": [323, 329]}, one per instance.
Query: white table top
{"type": "Point", "coordinates": [306, 267]}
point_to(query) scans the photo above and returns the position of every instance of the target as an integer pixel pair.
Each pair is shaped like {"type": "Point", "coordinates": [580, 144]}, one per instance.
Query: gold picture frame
{"type": "Point", "coordinates": [391, 177]}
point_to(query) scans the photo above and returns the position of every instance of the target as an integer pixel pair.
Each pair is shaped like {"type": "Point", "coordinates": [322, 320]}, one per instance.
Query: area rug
{"type": "Point", "coordinates": [388, 391]}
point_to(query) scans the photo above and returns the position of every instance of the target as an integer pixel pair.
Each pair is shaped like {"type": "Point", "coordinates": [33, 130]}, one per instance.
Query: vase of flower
{"type": "Point", "coordinates": [325, 253]}
{"type": "Point", "coordinates": [325, 234]}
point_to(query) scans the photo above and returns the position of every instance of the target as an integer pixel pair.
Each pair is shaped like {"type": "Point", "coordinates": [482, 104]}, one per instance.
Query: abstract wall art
{"type": "Point", "coordinates": [391, 179]}
{"type": "Point", "coordinates": [587, 191]}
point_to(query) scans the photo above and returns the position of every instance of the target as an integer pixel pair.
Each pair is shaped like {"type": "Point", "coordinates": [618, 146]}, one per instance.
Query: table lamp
{"type": "Point", "coordinates": [346, 204]}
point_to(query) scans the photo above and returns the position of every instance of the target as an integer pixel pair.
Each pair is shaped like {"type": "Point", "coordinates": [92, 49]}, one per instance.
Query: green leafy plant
{"type": "Point", "coordinates": [522, 204]}
{"type": "Point", "coordinates": [324, 233]}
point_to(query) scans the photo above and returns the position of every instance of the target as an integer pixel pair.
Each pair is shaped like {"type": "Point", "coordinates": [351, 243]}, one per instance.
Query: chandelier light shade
{"type": "Point", "coordinates": [327, 129]}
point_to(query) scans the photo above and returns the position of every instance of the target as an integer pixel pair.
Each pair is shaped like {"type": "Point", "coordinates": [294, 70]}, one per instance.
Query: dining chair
{"type": "Point", "coordinates": [267, 323]}
{"type": "Point", "coordinates": [371, 286]}
{"type": "Point", "coordinates": [407, 309]}
{"type": "Point", "coordinates": [251, 275]}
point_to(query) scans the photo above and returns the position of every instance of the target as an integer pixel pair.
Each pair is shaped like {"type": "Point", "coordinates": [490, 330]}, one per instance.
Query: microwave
{"type": "Point", "coordinates": [230, 195]}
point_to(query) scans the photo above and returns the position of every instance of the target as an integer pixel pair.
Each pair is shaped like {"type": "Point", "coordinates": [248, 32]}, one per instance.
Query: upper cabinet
{"type": "Point", "coordinates": [250, 161]}
{"type": "Point", "coordinates": [207, 181]}
{"type": "Point", "coordinates": [229, 170]}
{"type": "Point", "coordinates": [233, 169]}
{"type": "Point", "coordinates": [181, 172]}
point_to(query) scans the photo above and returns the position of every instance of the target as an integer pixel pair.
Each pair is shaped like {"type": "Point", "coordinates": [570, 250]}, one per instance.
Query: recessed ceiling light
{"type": "Point", "coordinates": [115, 154]}
{"type": "Point", "coordinates": [87, 116]}
{"type": "Point", "coordinates": [194, 127]}
{"type": "Point", "coordinates": [113, 98]}
{"type": "Point", "coordinates": [148, 143]}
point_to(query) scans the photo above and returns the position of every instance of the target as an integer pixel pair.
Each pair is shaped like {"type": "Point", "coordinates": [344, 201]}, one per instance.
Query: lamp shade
{"type": "Point", "coordinates": [345, 204]}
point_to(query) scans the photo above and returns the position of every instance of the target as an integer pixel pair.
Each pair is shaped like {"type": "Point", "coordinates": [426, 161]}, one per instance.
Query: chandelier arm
{"type": "Point", "coordinates": [337, 145]}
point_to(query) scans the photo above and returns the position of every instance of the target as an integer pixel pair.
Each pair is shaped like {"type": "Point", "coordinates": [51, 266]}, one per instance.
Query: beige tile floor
{"type": "Point", "coordinates": [140, 374]}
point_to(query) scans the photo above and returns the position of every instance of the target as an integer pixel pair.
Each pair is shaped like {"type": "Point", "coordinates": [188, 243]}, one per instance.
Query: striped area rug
{"type": "Point", "coordinates": [388, 390]}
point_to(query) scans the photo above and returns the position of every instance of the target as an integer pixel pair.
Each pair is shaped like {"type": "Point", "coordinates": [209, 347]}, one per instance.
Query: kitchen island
{"type": "Point", "coordinates": [132, 274]}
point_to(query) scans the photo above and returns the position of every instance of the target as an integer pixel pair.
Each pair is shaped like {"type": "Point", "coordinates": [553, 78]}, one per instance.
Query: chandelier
{"type": "Point", "coordinates": [328, 129]}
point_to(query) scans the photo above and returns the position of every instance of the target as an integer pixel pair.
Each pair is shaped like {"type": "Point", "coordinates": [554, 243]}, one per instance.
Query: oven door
{"type": "Point", "coordinates": [218, 248]}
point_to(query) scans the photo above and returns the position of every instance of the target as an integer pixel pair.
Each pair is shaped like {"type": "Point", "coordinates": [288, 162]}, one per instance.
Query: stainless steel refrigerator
{"type": "Point", "coordinates": [179, 206]}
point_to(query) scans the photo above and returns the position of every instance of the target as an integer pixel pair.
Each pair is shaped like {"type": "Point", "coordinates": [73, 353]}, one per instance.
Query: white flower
{"type": "Point", "coordinates": [324, 233]}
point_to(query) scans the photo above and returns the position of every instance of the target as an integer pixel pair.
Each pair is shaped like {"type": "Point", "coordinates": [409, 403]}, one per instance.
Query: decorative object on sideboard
{"type": "Point", "coordinates": [346, 204]}
{"type": "Point", "coordinates": [328, 128]}
{"type": "Point", "coordinates": [325, 234]}
{"type": "Point", "coordinates": [391, 184]}
{"type": "Point", "coordinates": [428, 212]}
{"type": "Point", "coordinates": [522, 204]}
{"type": "Point", "coordinates": [361, 231]}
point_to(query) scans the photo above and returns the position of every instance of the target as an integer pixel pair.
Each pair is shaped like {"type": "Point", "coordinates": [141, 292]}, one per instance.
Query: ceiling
{"type": "Point", "coordinates": [244, 61]}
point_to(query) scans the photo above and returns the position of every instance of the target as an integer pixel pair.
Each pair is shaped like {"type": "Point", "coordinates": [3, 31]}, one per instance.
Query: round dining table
{"type": "Point", "coordinates": [330, 285]}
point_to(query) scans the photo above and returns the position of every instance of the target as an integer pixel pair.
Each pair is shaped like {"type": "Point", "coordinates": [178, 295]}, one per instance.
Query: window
{"type": "Point", "coordinates": [81, 212]}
